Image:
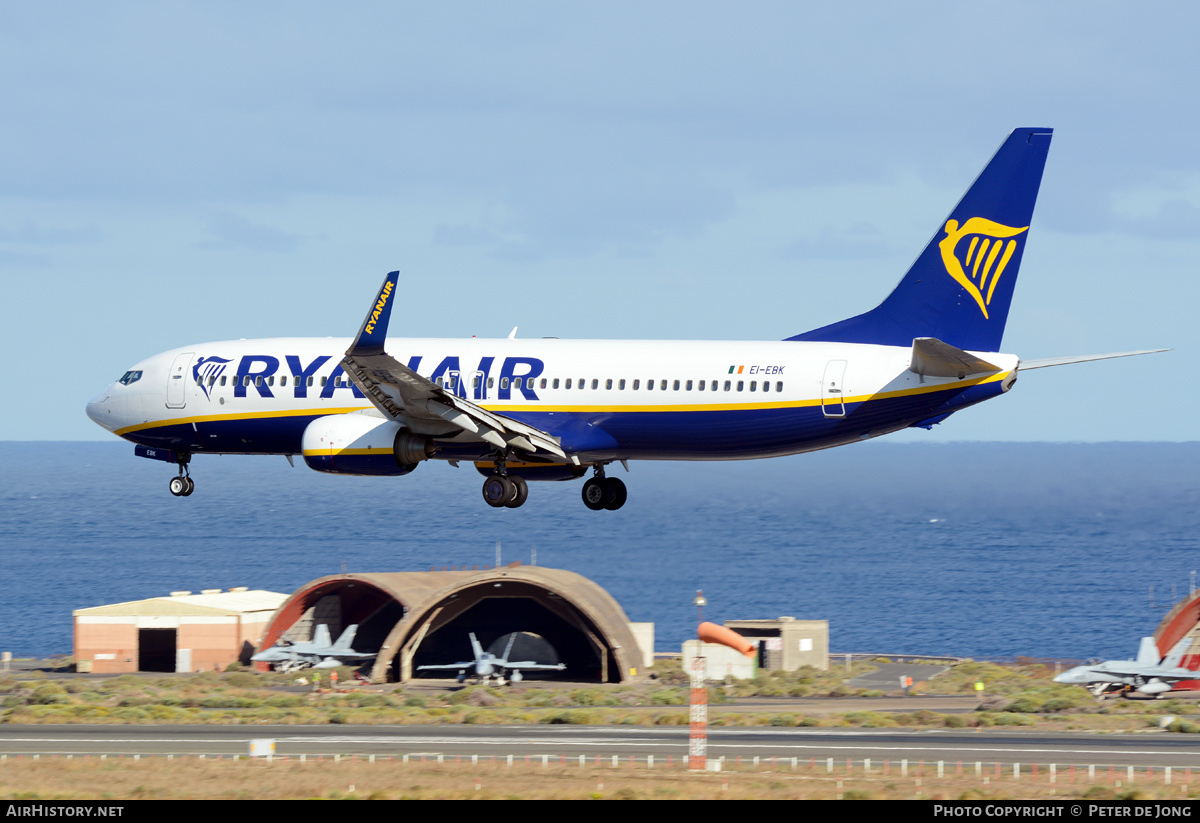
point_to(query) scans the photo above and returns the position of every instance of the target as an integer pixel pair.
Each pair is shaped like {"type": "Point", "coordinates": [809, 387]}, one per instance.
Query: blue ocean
{"type": "Point", "coordinates": [987, 550]}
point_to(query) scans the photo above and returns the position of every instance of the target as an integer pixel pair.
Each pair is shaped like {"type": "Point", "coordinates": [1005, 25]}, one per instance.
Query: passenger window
{"type": "Point", "coordinates": [689, 385]}
{"type": "Point", "coordinates": [621, 384]}
{"type": "Point", "coordinates": [310, 380]}
{"type": "Point", "coordinates": [222, 380]}
{"type": "Point", "coordinates": [517, 383]}
{"type": "Point", "coordinates": [700, 386]}
{"type": "Point", "coordinates": [766, 385]}
{"type": "Point", "coordinates": [753, 385]}
{"type": "Point", "coordinates": [649, 385]}
{"type": "Point", "coordinates": [726, 385]}
{"type": "Point", "coordinates": [568, 382]}
{"type": "Point", "coordinates": [663, 386]}
{"type": "Point", "coordinates": [556, 383]}
{"type": "Point", "coordinates": [543, 382]}
{"type": "Point", "coordinates": [595, 383]}
{"type": "Point", "coordinates": [741, 385]}
{"type": "Point", "coordinates": [504, 382]}
{"type": "Point", "coordinates": [637, 384]}
{"type": "Point", "coordinates": [324, 380]}
{"type": "Point", "coordinates": [582, 383]}
{"type": "Point", "coordinates": [779, 386]}
{"type": "Point", "coordinates": [608, 383]}
{"type": "Point", "coordinates": [491, 382]}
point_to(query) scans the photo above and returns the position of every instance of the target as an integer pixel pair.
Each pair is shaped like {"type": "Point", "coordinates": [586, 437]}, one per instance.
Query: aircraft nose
{"type": "Point", "coordinates": [100, 410]}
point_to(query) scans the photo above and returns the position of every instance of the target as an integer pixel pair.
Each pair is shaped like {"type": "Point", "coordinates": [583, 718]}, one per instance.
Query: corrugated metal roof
{"type": "Point", "coordinates": [224, 603]}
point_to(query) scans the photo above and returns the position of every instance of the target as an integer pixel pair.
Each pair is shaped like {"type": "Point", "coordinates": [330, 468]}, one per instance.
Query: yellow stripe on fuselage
{"type": "Point", "coordinates": [220, 418]}
{"type": "Point", "coordinates": [592, 409]}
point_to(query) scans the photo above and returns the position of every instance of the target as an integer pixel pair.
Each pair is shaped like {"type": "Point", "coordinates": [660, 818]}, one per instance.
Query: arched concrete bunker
{"type": "Point", "coordinates": [416, 618]}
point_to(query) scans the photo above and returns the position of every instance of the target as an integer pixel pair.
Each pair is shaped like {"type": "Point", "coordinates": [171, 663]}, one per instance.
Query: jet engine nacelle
{"type": "Point", "coordinates": [362, 444]}
{"type": "Point", "coordinates": [1154, 687]}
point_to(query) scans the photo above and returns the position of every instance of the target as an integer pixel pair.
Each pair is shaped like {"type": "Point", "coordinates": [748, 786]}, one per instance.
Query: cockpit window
{"type": "Point", "coordinates": [130, 377]}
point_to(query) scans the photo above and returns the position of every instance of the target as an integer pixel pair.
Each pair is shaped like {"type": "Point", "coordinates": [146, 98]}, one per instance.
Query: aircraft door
{"type": "Point", "coordinates": [478, 385]}
{"type": "Point", "coordinates": [177, 380]}
{"type": "Point", "coordinates": [833, 401]}
{"type": "Point", "coordinates": [454, 383]}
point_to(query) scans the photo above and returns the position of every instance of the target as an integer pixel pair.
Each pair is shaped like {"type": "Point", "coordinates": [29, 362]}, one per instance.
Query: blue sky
{"type": "Point", "coordinates": [177, 173]}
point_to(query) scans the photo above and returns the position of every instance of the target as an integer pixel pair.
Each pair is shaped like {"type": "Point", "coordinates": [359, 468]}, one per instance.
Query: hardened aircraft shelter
{"type": "Point", "coordinates": [416, 618]}
{"type": "Point", "coordinates": [1183, 621]}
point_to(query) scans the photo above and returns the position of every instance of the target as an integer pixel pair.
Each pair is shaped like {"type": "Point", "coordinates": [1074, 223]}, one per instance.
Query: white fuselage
{"type": "Point", "coordinates": [639, 399]}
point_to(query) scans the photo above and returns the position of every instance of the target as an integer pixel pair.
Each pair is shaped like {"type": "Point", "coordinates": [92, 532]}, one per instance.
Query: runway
{"type": "Point", "coordinates": [1139, 750]}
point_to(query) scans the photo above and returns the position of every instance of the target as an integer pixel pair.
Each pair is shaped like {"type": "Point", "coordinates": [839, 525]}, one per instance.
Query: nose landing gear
{"type": "Point", "coordinates": [182, 485]}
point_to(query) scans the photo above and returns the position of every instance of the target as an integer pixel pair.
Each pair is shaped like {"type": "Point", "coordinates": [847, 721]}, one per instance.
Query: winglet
{"type": "Point", "coordinates": [374, 328]}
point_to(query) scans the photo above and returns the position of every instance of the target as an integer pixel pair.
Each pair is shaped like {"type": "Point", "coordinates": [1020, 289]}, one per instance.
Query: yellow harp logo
{"type": "Point", "coordinates": [979, 271]}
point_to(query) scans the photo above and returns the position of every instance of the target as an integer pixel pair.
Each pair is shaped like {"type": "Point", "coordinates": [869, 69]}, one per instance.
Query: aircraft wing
{"type": "Point", "coordinates": [529, 664]}
{"type": "Point", "coordinates": [466, 665]}
{"type": "Point", "coordinates": [420, 404]}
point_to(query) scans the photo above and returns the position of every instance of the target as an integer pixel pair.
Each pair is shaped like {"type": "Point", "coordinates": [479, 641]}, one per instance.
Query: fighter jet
{"type": "Point", "coordinates": [1145, 676]}
{"type": "Point", "coordinates": [487, 666]}
{"type": "Point", "coordinates": [317, 654]}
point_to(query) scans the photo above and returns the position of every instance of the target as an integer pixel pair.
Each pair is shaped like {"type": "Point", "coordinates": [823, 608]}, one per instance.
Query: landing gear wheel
{"type": "Point", "coordinates": [520, 492]}
{"type": "Point", "coordinates": [178, 486]}
{"type": "Point", "coordinates": [595, 494]}
{"type": "Point", "coordinates": [616, 493]}
{"type": "Point", "coordinates": [498, 491]}
{"type": "Point", "coordinates": [190, 485]}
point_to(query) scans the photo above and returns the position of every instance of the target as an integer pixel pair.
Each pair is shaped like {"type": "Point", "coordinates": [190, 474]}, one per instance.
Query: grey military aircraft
{"type": "Point", "coordinates": [1145, 676]}
{"type": "Point", "coordinates": [320, 653]}
{"type": "Point", "coordinates": [486, 665]}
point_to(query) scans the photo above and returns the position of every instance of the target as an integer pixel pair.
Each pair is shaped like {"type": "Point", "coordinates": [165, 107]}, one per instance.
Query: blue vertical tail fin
{"type": "Point", "coordinates": [960, 287]}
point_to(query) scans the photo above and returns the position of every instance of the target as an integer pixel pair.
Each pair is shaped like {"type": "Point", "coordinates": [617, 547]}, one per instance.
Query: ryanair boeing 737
{"type": "Point", "coordinates": [525, 410]}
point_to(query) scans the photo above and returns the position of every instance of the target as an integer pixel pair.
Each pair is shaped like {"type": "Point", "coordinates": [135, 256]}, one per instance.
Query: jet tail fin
{"type": "Point", "coordinates": [476, 649]}
{"type": "Point", "coordinates": [960, 287]}
{"type": "Point", "coordinates": [1148, 652]}
{"type": "Point", "coordinates": [1174, 658]}
{"type": "Point", "coordinates": [345, 643]}
{"type": "Point", "coordinates": [321, 636]}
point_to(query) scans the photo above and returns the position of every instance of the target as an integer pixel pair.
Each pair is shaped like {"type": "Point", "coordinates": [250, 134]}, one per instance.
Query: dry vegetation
{"type": "Point", "coordinates": [1019, 695]}
{"type": "Point", "coordinates": [193, 778]}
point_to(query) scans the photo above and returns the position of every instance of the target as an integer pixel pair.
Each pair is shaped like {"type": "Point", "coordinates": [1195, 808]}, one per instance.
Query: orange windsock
{"type": "Point", "coordinates": [712, 633]}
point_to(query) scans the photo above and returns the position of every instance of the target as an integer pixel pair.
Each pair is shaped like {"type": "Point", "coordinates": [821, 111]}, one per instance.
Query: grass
{"type": "Point", "coordinates": [392, 779]}
{"type": "Point", "coordinates": [1017, 695]}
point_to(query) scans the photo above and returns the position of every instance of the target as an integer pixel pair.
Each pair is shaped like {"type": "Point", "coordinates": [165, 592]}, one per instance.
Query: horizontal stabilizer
{"type": "Point", "coordinates": [933, 358]}
{"type": "Point", "coordinates": [1025, 365]}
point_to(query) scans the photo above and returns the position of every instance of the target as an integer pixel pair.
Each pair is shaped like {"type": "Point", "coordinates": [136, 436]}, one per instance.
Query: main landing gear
{"type": "Point", "coordinates": [604, 492]}
{"type": "Point", "coordinates": [500, 490]}
{"type": "Point", "coordinates": [182, 485]}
